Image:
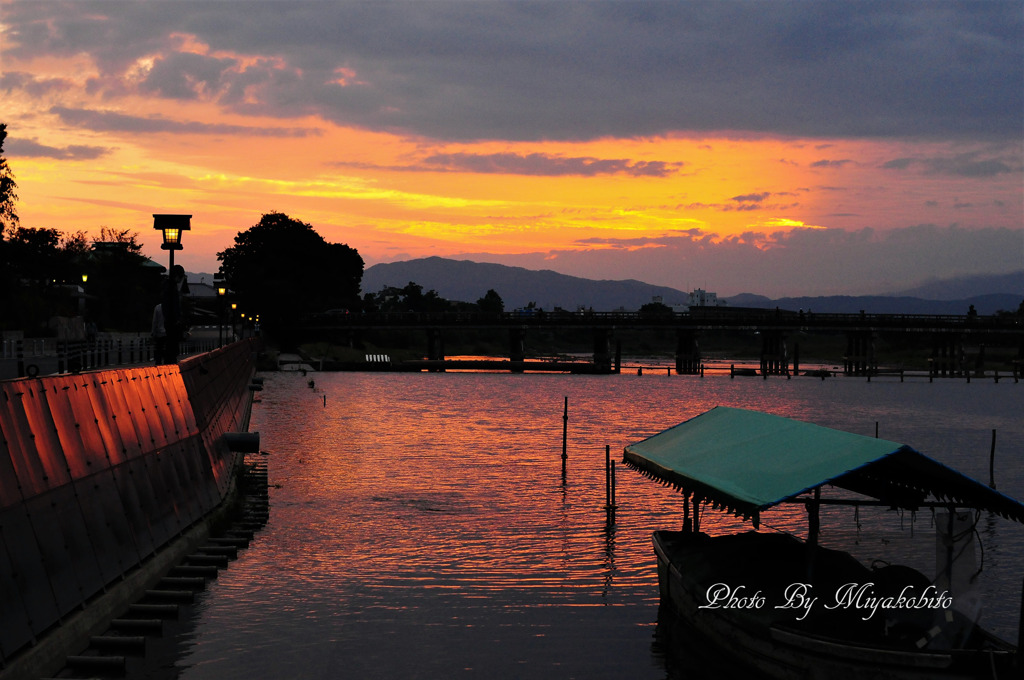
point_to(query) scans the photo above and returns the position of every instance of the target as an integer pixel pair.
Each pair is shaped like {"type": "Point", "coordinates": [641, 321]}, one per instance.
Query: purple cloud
{"type": "Point", "coordinates": [28, 148]}
{"type": "Point", "coordinates": [751, 198]}
{"type": "Point", "coordinates": [548, 165]}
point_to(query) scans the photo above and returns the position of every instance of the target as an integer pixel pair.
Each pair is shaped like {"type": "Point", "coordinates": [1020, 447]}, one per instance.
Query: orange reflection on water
{"type": "Point", "coordinates": [445, 482]}
{"type": "Point", "coordinates": [420, 525]}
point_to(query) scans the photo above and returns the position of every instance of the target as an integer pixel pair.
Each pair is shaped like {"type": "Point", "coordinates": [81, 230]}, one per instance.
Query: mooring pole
{"type": "Point", "coordinates": [565, 435]}
{"type": "Point", "coordinates": [613, 486]}
{"type": "Point", "coordinates": [607, 476]}
{"type": "Point", "coordinates": [992, 462]}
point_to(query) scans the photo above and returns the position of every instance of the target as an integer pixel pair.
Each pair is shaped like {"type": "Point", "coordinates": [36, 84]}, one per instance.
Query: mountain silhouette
{"type": "Point", "coordinates": [467, 281]}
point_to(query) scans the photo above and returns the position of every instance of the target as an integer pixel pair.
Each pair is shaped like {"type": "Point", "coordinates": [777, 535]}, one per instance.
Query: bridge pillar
{"type": "Point", "coordinates": [517, 344]}
{"type": "Point", "coordinates": [774, 357]}
{"type": "Point", "coordinates": [435, 344]}
{"type": "Point", "coordinates": [687, 352]}
{"type": "Point", "coordinates": [860, 353]}
{"type": "Point", "coordinates": [602, 349]}
{"type": "Point", "coordinates": [947, 355]}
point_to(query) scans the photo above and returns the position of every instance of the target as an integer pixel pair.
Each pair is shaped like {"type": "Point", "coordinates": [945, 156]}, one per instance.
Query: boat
{"type": "Point", "coordinates": [783, 607]}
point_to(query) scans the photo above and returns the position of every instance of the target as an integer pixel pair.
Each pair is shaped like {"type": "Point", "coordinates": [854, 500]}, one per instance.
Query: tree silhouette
{"type": "Point", "coordinates": [39, 267]}
{"type": "Point", "coordinates": [34, 256]}
{"type": "Point", "coordinates": [8, 213]}
{"type": "Point", "coordinates": [491, 303]}
{"type": "Point", "coordinates": [123, 284]}
{"type": "Point", "coordinates": [655, 309]}
{"type": "Point", "coordinates": [283, 270]}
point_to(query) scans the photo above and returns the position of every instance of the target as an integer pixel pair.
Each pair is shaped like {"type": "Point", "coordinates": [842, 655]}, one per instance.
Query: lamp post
{"type": "Point", "coordinates": [81, 301]}
{"type": "Point", "coordinates": [221, 291]}
{"type": "Point", "coordinates": [172, 226]}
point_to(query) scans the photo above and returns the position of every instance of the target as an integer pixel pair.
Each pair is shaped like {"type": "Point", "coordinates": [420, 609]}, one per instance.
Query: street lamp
{"type": "Point", "coordinates": [221, 291]}
{"type": "Point", "coordinates": [81, 300]}
{"type": "Point", "coordinates": [172, 226]}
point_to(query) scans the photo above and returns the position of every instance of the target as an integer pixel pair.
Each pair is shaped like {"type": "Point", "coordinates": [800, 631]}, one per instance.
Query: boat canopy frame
{"type": "Point", "coordinates": [745, 461]}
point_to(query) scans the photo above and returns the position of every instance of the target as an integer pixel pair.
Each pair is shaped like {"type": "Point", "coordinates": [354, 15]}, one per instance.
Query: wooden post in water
{"type": "Point", "coordinates": [609, 486]}
{"type": "Point", "coordinates": [607, 476]}
{"type": "Point", "coordinates": [613, 487]}
{"type": "Point", "coordinates": [992, 462]}
{"type": "Point", "coordinates": [565, 435]}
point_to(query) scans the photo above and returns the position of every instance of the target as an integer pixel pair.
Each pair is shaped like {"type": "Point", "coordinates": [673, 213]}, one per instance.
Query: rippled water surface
{"type": "Point", "coordinates": [420, 526]}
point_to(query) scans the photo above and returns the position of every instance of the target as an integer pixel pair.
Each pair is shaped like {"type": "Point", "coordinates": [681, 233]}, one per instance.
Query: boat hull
{"type": "Point", "coordinates": [771, 644]}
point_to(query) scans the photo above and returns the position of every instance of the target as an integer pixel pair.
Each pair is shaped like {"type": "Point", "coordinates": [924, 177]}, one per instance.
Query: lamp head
{"type": "Point", "coordinates": [172, 226]}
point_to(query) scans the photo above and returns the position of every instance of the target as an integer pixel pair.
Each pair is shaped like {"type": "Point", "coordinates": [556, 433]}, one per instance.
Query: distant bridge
{"type": "Point", "coordinates": [947, 333]}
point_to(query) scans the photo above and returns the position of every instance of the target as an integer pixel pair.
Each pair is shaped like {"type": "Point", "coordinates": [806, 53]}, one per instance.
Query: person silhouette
{"type": "Point", "coordinates": [173, 314]}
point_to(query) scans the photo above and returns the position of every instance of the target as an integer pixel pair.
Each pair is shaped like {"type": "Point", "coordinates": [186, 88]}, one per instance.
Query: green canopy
{"type": "Point", "coordinates": [747, 461]}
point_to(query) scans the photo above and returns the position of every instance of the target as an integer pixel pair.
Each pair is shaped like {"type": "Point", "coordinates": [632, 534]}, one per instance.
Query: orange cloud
{"type": "Point", "coordinates": [387, 193]}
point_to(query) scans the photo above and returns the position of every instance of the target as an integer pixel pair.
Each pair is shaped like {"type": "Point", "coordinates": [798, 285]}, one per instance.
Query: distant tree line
{"type": "Point", "coordinates": [45, 273]}
{"type": "Point", "coordinates": [411, 298]}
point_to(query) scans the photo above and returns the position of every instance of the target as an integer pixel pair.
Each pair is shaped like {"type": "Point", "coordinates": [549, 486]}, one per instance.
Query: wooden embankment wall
{"type": "Point", "coordinates": [99, 470]}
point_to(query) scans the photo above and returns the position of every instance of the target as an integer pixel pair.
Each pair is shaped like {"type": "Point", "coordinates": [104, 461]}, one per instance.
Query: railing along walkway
{"type": "Point", "coordinates": [30, 357]}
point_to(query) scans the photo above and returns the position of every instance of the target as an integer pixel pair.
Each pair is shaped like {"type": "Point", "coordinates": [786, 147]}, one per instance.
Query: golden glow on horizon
{"type": "Point", "coordinates": [117, 160]}
{"type": "Point", "coordinates": [782, 223]}
{"type": "Point", "coordinates": [385, 191]}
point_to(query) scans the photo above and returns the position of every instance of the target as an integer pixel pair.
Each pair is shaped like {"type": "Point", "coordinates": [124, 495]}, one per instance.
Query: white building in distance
{"type": "Point", "coordinates": [702, 298]}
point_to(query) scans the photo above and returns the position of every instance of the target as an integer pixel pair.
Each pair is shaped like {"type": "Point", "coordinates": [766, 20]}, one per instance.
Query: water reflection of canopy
{"type": "Point", "coordinates": [746, 461]}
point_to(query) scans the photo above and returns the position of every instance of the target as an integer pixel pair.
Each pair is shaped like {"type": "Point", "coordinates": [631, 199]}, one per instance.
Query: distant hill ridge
{"type": "Point", "coordinates": [469, 281]}
{"type": "Point", "coordinates": [880, 304]}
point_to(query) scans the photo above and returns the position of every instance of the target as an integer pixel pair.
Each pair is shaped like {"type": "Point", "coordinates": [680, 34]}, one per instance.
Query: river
{"type": "Point", "coordinates": [420, 526]}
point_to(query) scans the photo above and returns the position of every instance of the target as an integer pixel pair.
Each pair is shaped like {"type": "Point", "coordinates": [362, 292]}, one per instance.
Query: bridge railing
{"type": "Point", "coordinates": [697, 316]}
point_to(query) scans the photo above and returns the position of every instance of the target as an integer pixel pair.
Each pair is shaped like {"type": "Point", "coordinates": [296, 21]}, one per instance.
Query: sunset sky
{"type": "Point", "coordinates": [781, 148]}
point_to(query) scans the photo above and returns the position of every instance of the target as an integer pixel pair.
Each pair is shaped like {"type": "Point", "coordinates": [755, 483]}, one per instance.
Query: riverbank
{"type": "Point", "coordinates": [102, 474]}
